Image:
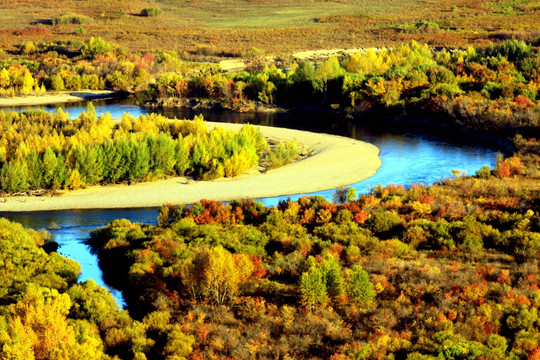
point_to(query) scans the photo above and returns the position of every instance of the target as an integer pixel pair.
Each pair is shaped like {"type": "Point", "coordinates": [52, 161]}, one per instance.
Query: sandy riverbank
{"type": "Point", "coordinates": [336, 161]}
{"type": "Point", "coordinates": [64, 97]}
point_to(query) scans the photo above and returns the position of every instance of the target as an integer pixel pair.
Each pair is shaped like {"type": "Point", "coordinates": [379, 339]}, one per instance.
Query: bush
{"type": "Point", "coordinates": [95, 46]}
{"type": "Point", "coordinates": [155, 11]}
{"type": "Point", "coordinates": [484, 172]}
{"type": "Point", "coordinates": [55, 83]}
{"type": "Point", "coordinates": [27, 47]}
{"type": "Point", "coordinates": [508, 167]}
{"type": "Point", "coordinates": [383, 221]}
{"type": "Point", "coordinates": [253, 53]}
{"type": "Point", "coordinates": [71, 18]}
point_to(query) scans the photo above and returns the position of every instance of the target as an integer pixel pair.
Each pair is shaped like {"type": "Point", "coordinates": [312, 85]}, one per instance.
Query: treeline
{"type": "Point", "coordinates": [45, 314]}
{"type": "Point", "coordinates": [492, 88]}
{"type": "Point", "coordinates": [448, 271]}
{"type": "Point", "coordinates": [39, 150]}
{"type": "Point", "coordinates": [488, 88]}
{"type": "Point", "coordinates": [90, 65]}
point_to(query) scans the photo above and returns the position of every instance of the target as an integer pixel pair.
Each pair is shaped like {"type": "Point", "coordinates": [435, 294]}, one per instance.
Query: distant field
{"type": "Point", "coordinates": [229, 27]}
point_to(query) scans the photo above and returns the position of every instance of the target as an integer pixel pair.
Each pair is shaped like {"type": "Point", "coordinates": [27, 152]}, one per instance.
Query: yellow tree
{"type": "Point", "coordinates": [39, 330]}
{"type": "Point", "coordinates": [215, 274]}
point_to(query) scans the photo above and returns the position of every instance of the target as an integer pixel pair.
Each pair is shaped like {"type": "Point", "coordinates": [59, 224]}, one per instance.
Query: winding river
{"type": "Point", "coordinates": [407, 158]}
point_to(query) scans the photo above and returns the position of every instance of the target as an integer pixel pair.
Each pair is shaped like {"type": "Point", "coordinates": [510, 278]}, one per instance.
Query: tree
{"type": "Point", "coordinates": [181, 156]}
{"type": "Point", "coordinates": [13, 176]}
{"type": "Point", "coordinates": [179, 345]}
{"type": "Point", "coordinates": [216, 274]}
{"type": "Point", "coordinates": [140, 161]}
{"type": "Point", "coordinates": [75, 180]}
{"type": "Point", "coordinates": [332, 277]}
{"type": "Point", "coordinates": [313, 287]}
{"type": "Point", "coordinates": [359, 289]}
{"type": "Point", "coordinates": [328, 70]}
{"type": "Point", "coordinates": [162, 154]}
{"type": "Point", "coordinates": [60, 173]}
{"type": "Point", "coordinates": [95, 46]}
{"type": "Point", "coordinates": [50, 164]}
{"type": "Point", "coordinates": [35, 171]}
{"type": "Point", "coordinates": [5, 79]}
{"type": "Point", "coordinates": [87, 160]}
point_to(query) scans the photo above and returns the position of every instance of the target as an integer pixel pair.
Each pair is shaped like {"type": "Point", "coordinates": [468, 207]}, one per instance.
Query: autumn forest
{"type": "Point", "coordinates": [445, 270]}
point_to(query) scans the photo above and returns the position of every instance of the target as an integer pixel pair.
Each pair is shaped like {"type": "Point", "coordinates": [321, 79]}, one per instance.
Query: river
{"type": "Point", "coordinates": [407, 156]}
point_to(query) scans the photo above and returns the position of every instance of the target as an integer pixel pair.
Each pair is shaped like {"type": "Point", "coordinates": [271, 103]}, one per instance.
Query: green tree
{"type": "Point", "coordinates": [332, 277]}
{"type": "Point", "coordinates": [118, 157]}
{"type": "Point", "coordinates": [88, 161]}
{"type": "Point", "coordinates": [95, 46]}
{"type": "Point", "coordinates": [359, 288]}
{"type": "Point", "coordinates": [181, 156]}
{"type": "Point", "coordinates": [50, 164]}
{"type": "Point", "coordinates": [162, 154]}
{"type": "Point", "coordinates": [313, 287]}
{"type": "Point", "coordinates": [35, 170]}
{"type": "Point", "coordinates": [140, 162]}
{"type": "Point", "coordinates": [13, 176]}
{"type": "Point", "coordinates": [60, 175]}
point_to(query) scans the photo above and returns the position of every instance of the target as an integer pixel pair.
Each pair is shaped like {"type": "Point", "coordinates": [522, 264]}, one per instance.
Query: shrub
{"type": "Point", "coordinates": [253, 53]}
{"type": "Point", "coordinates": [283, 154]}
{"type": "Point", "coordinates": [27, 47]}
{"type": "Point", "coordinates": [95, 46]}
{"type": "Point", "coordinates": [71, 18]}
{"type": "Point", "coordinates": [383, 221]}
{"type": "Point", "coordinates": [155, 11]}
{"type": "Point", "coordinates": [55, 83]}
{"type": "Point", "coordinates": [484, 172]}
{"type": "Point", "coordinates": [508, 167]}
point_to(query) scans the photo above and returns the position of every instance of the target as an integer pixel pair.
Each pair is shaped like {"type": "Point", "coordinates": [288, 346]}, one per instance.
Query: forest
{"type": "Point", "coordinates": [442, 271]}
{"type": "Point", "coordinates": [42, 151]}
{"type": "Point", "coordinates": [447, 271]}
{"type": "Point", "coordinates": [46, 314]}
{"type": "Point", "coordinates": [493, 88]}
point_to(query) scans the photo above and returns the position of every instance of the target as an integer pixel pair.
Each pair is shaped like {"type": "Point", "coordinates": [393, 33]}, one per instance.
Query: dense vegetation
{"type": "Point", "coordinates": [39, 150]}
{"type": "Point", "coordinates": [490, 88]}
{"type": "Point", "coordinates": [45, 314]}
{"type": "Point", "coordinates": [448, 271]}
{"type": "Point", "coordinates": [92, 64]}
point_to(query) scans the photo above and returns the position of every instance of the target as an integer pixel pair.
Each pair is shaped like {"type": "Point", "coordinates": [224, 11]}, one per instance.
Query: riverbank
{"type": "Point", "coordinates": [335, 161]}
{"type": "Point", "coordinates": [213, 105]}
{"type": "Point", "coordinates": [63, 97]}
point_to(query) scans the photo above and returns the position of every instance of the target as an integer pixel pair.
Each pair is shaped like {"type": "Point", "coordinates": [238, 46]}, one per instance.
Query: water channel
{"type": "Point", "coordinates": [407, 156]}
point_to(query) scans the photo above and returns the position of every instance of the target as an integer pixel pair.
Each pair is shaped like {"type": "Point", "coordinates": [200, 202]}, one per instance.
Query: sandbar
{"type": "Point", "coordinates": [60, 98]}
{"type": "Point", "coordinates": [335, 161]}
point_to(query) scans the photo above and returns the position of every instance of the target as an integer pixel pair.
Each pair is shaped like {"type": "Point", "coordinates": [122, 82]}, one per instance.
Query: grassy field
{"type": "Point", "coordinates": [229, 27]}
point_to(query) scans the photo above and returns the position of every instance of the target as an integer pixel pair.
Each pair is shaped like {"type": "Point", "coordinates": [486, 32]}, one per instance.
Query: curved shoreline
{"type": "Point", "coordinates": [63, 97]}
{"type": "Point", "coordinates": [335, 161]}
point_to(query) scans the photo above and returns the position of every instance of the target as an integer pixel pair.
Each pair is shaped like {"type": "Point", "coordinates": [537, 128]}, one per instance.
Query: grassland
{"type": "Point", "coordinates": [229, 27]}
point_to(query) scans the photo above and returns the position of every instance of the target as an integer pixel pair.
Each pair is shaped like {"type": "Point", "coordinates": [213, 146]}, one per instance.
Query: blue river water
{"type": "Point", "coordinates": [407, 156]}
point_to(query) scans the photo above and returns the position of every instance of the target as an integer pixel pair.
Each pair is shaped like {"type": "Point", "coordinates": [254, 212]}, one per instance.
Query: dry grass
{"type": "Point", "coordinates": [279, 27]}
